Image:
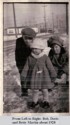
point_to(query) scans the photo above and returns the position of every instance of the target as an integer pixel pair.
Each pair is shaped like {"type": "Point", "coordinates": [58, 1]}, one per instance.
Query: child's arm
{"type": "Point", "coordinates": [24, 71]}
{"type": "Point", "coordinates": [51, 69]}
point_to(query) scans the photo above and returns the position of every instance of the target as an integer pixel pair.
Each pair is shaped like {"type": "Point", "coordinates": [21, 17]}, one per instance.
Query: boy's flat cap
{"type": "Point", "coordinates": [29, 32]}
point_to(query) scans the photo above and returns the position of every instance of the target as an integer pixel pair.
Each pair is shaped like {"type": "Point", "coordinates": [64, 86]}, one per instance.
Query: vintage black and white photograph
{"type": "Point", "coordinates": [35, 57]}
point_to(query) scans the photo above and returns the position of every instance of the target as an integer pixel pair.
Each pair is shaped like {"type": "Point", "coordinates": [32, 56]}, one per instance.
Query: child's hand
{"type": "Point", "coordinates": [61, 80]}
{"type": "Point", "coordinates": [57, 80]}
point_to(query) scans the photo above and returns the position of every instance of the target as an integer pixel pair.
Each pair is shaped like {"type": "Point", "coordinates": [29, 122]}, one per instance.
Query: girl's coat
{"type": "Point", "coordinates": [38, 73]}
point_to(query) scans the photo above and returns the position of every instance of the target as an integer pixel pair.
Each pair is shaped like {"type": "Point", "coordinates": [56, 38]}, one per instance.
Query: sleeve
{"type": "Point", "coordinates": [66, 65]}
{"type": "Point", "coordinates": [50, 55]}
{"type": "Point", "coordinates": [25, 71]}
{"type": "Point", "coordinates": [17, 47]}
{"type": "Point", "coordinates": [51, 69]}
{"type": "Point", "coordinates": [17, 55]}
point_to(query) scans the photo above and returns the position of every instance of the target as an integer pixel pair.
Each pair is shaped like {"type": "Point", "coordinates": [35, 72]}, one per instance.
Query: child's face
{"type": "Point", "coordinates": [36, 51]}
{"type": "Point", "coordinates": [57, 49]}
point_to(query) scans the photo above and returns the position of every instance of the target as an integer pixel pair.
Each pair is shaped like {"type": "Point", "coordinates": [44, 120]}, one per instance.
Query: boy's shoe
{"type": "Point", "coordinates": [44, 104]}
{"type": "Point", "coordinates": [24, 92]}
{"type": "Point", "coordinates": [32, 104]}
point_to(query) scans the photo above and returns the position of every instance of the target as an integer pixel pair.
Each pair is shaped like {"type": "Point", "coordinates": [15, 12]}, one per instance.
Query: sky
{"type": "Point", "coordinates": [32, 13]}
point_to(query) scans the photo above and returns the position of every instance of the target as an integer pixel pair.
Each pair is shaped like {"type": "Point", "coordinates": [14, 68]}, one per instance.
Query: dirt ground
{"type": "Point", "coordinates": [14, 103]}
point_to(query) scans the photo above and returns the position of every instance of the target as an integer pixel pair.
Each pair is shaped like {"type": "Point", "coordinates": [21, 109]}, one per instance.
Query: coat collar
{"type": "Point", "coordinates": [37, 56]}
{"type": "Point", "coordinates": [44, 52]}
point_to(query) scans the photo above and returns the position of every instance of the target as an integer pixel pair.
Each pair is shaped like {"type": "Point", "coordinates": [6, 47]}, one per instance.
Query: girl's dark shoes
{"type": "Point", "coordinates": [32, 105]}
{"type": "Point", "coordinates": [45, 104]}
